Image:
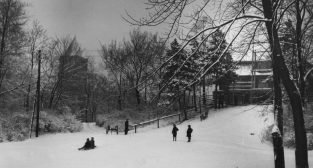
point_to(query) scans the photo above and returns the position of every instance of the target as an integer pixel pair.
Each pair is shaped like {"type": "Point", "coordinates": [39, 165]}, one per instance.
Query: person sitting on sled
{"type": "Point", "coordinates": [86, 146]}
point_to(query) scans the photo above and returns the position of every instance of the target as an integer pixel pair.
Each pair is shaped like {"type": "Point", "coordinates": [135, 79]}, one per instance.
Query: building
{"type": "Point", "coordinates": [73, 80]}
{"type": "Point", "coordinates": [253, 85]}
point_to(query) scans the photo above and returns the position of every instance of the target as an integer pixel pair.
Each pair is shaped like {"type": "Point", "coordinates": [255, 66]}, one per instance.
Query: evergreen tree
{"type": "Point", "coordinates": [176, 79]}
{"type": "Point", "coordinates": [222, 71]}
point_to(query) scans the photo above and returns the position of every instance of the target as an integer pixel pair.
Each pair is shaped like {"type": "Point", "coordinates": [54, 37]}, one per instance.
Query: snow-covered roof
{"type": "Point", "coordinates": [263, 74]}
{"type": "Point", "coordinates": [243, 70]}
{"type": "Point", "coordinates": [246, 70]}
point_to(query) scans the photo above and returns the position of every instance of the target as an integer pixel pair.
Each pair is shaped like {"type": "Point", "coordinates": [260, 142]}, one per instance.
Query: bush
{"type": "Point", "coordinates": [71, 123]}
{"type": "Point", "coordinates": [310, 141]}
{"type": "Point", "coordinates": [288, 139]}
{"type": "Point", "coordinates": [266, 134]}
{"type": "Point", "coordinates": [16, 126]}
{"type": "Point", "coordinates": [59, 123]}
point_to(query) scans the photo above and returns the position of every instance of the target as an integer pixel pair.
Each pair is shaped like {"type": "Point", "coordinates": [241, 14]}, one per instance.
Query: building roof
{"type": "Point", "coordinates": [260, 68]}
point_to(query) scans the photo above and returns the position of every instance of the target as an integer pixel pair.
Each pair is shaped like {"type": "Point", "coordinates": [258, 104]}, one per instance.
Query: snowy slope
{"type": "Point", "coordinates": [224, 140]}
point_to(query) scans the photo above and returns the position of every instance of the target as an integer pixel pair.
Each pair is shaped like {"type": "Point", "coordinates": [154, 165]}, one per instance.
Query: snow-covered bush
{"type": "Point", "coordinates": [310, 141]}
{"type": "Point", "coordinates": [16, 126]}
{"type": "Point", "coordinates": [59, 123]}
{"type": "Point", "coordinates": [289, 140]}
{"type": "Point", "coordinates": [50, 123]}
{"type": "Point", "coordinates": [71, 123]}
{"type": "Point", "coordinates": [266, 134]}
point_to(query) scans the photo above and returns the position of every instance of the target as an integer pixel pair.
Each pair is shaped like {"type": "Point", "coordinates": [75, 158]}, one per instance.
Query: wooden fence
{"type": "Point", "coordinates": [157, 121]}
{"type": "Point", "coordinates": [191, 113]}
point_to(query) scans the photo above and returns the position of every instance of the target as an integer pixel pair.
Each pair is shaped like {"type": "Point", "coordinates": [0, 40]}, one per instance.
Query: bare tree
{"type": "Point", "coordinates": [13, 17]}
{"type": "Point", "coordinates": [133, 60]}
{"type": "Point", "coordinates": [114, 60]}
{"type": "Point", "coordinates": [37, 39]}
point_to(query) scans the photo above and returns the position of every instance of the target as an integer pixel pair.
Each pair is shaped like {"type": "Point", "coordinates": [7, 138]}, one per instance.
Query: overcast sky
{"type": "Point", "coordinates": [92, 21]}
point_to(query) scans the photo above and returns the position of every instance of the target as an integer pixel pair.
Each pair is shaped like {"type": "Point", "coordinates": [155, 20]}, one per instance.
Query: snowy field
{"type": "Point", "coordinates": [224, 140]}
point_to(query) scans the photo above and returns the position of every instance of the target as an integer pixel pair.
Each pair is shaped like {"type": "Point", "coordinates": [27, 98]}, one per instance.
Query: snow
{"type": "Point", "coordinates": [243, 70]}
{"type": "Point", "coordinates": [229, 138]}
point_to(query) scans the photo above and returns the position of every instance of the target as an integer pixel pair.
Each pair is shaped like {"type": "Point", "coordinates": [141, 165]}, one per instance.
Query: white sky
{"type": "Point", "coordinates": [92, 21]}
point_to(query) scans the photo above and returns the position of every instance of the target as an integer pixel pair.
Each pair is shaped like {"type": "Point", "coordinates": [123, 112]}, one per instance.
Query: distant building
{"type": "Point", "coordinates": [73, 80]}
{"type": "Point", "coordinates": [253, 84]}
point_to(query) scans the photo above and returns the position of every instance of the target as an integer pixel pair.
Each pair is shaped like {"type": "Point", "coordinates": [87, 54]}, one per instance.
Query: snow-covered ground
{"type": "Point", "coordinates": [224, 140]}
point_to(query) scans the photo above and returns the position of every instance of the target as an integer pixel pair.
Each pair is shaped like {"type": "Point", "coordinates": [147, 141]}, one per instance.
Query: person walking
{"type": "Point", "coordinates": [126, 126]}
{"type": "Point", "coordinates": [189, 131]}
{"type": "Point", "coordinates": [174, 132]}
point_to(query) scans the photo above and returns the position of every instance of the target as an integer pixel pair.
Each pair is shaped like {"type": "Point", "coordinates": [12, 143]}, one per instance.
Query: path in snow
{"type": "Point", "coordinates": [224, 140]}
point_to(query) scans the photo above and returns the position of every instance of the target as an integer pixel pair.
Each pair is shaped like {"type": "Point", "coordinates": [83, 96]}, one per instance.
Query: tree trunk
{"type": "Point", "coordinates": [200, 110]}
{"type": "Point", "coordinates": [194, 97]}
{"type": "Point", "coordinates": [119, 101]}
{"type": "Point", "coordinates": [299, 51]}
{"type": "Point", "coordinates": [278, 112]}
{"type": "Point", "coordinates": [137, 96]}
{"type": "Point", "coordinates": [3, 43]}
{"type": "Point", "coordinates": [301, 153]}
{"type": "Point", "coordinates": [215, 96]}
{"type": "Point", "coordinates": [188, 99]}
{"type": "Point", "coordinates": [27, 105]}
{"type": "Point", "coordinates": [179, 102]}
{"type": "Point", "coordinates": [32, 120]}
{"type": "Point", "coordinates": [38, 94]}
{"type": "Point", "coordinates": [203, 92]}
{"type": "Point", "coordinates": [184, 105]}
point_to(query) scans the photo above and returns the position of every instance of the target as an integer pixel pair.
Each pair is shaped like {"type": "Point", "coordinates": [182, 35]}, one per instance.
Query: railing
{"type": "Point", "coordinates": [157, 120]}
{"type": "Point", "coordinates": [190, 114]}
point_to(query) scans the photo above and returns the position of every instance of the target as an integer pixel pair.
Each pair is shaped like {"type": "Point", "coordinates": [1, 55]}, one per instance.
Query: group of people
{"type": "Point", "coordinates": [89, 144]}
{"type": "Point", "coordinates": [175, 130]}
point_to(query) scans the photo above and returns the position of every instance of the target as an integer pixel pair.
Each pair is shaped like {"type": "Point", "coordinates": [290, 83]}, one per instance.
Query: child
{"type": "Point", "coordinates": [174, 132]}
{"type": "Point", "coordinates": [189, 131]}
{"type": "Point", "coordinates": [92, 143]}
{"type": "Point", "coordinates": [86, 146]}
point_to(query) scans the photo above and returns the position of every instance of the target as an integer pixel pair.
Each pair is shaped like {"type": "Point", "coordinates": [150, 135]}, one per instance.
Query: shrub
{"type": "Point", "coordinates": [71, 123]}
{"type": "Point", "coordinates": [310, 141]}
{"type": "Point", "coordinates": [266, 133]}
{"type": "Point", "coordinates": [16, 126]}
{"type": "Point", "coordinates": [59, 123]}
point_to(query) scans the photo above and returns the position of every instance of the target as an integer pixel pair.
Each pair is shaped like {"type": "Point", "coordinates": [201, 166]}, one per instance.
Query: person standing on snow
{"type": "Point", "coordinates": [189, 131]}
{"type": "Point", "coordinates": [126, 126]}
{"type": "Point", "coordinates": [174, 132]}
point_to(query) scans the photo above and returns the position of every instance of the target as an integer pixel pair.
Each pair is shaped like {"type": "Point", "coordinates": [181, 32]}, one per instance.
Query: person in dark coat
{"type": "Point", "coordinates": [86, 146]}
{"type": "Point", "coordinates": [126, 126]}
{"type": "Point", "coordinates": [174, 132]}
{"type": "Point", "coordinates": [108, 129]}
{"type": "Point", "coordinates": [92, 143]}
{"type": "Point", "coordinates": [189, 131]}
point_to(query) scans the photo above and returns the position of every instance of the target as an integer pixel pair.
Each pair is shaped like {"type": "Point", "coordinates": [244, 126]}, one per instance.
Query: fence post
{"type": "Point", "coordinates": [158, 123]}
{"type": "Point", "coordinates": [135, 128]}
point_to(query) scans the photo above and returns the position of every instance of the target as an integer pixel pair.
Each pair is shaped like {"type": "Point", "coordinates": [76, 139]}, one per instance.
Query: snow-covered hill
{"type": "Point", "coordinates": [229, 138]}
